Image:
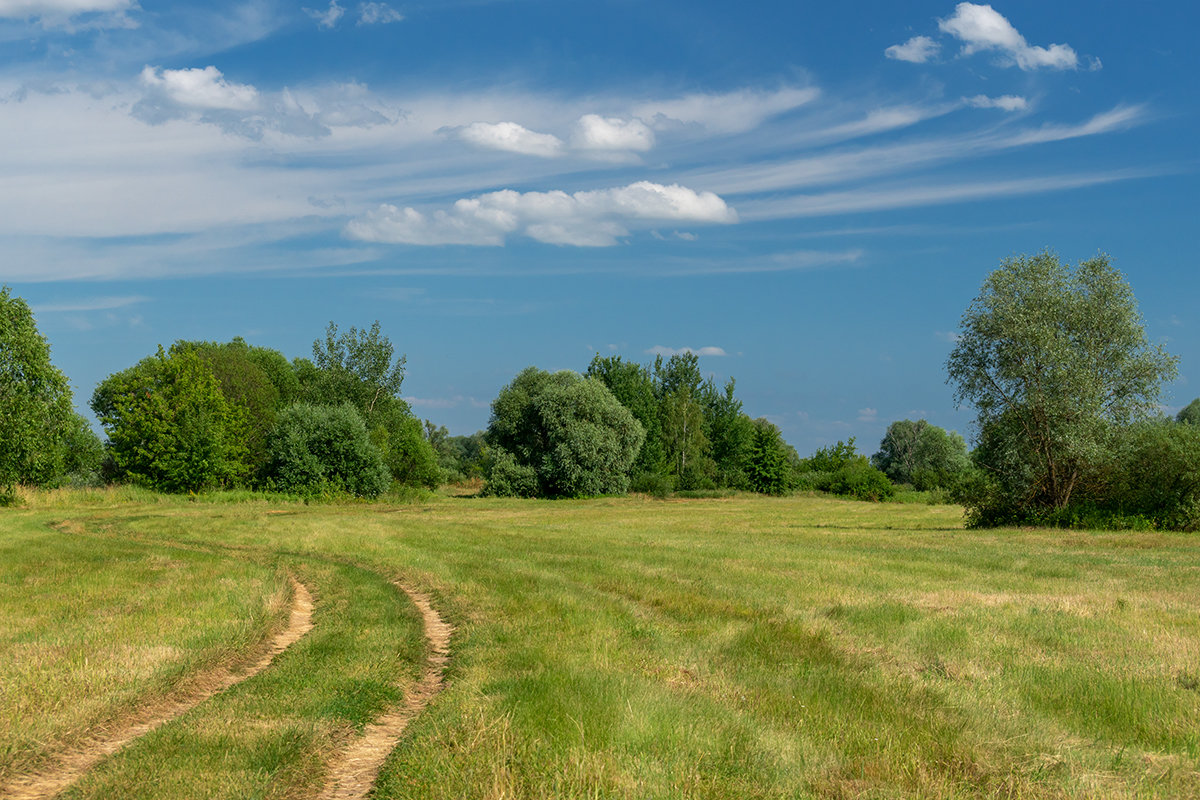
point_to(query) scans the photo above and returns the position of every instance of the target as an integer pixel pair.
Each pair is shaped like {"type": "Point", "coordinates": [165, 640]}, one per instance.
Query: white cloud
{"type": "Point", "coordinates": [982, 28]}
{"type": "Point", "coordinates": [377, 14]}
{"type": "Point", "coordinates": [583, 219]}
{"type": "Point", "coordinates": [200, 88]}
{"type": "Point", "coordinates": [594, 132]}
{"type": "Point", "coordinates": [733, 112]}
{"type": "Point", "coordinates": [1006, 102]}
{"type": "Point", "coordinates": [511, 137]}
{"type": "Point", "coordinates": [916, 50]}
{"type": "Point", "coordinates": [868, 415]}
{"type": "Point", "coordinates": [329, 17]}
{"type": "Point", "coordinates": [660, 350]}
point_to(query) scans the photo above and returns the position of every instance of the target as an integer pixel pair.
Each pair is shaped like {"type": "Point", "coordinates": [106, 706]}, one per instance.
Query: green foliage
{"type": "Point", "coordinates": [633, 386]}
{"type": "Point", "coordinates": [1189, 414]}
{"type": "Point", "coordinates": [570, 430]}
{"type": "Point", "coordinates": [316, 449]}
{"type": "Point", "coordinates": [36, 417]}
{"type": "Point", "coordinates": [1054, 360]}
{"type": "Point", "coordinates": [767, 469]}
{"type": "Point", "coordinates": [832, 458]}
{"type": "Point", "coordinates": [730, 434]}
{"type": "Point", "coordinates": [169, 426]}
{"type": "Point", "coordinates": [408, 455]}
{"type": "Point", "coordinates": [922, 455]}
{"type": "Point", "coordinates": [356, 367]}
{"type": "Point", "coordinates": [1156, 475]}
{"type": "Point", "coordinates": [507, 478]}
{"type": "Point", "coordinates": [860, 480]}
{"type": "Point", "coordinates": [245, 384]}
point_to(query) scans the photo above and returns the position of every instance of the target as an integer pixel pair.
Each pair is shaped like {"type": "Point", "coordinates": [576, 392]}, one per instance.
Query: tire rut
{"type": "Point", "coordinates": [72, 764]}
{"type": "Point", "coordinates": [353, 773]}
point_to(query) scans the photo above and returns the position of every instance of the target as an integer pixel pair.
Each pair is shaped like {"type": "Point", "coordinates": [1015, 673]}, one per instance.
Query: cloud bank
{"type": "Point", "coordinates": [980, 28]}
{"type": "Point", "coordinates": [583, 219]}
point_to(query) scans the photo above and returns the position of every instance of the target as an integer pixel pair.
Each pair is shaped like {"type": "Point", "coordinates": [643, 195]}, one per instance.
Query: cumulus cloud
{"type": "Point", "coordinates": [511, 137]}
{"type": "Point", "coordinates": [377, 14]}
{"type": "Point", "coordinates": [916, 50]}
{"type": "Point", "coordinates": [732, 112]}
{"type": "Point", "coordinates": [199, 88]}
{"type": "Point", "coordinates": [982, 28]}
{"type": "Point", "coordinates": [583, 219]}
{"type": "Point", "coordinates": [329, 17]}
{"type": "Point", "coordinates": [1006, 102]}
{"type": "Point", "coordinates": [594, 132]}
{"type": "Point", "coordinates": [660, 350]}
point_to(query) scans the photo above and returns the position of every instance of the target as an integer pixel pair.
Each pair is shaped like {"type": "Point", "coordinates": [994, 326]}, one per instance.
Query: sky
{"type": "Point", "coordinates": [805, 195]}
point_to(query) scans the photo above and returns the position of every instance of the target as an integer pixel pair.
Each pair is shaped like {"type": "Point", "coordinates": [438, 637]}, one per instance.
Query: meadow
{"type": "Point", "coordinates": [734, 647]}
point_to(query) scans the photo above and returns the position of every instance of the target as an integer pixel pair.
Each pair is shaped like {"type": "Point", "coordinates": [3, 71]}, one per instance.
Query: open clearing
{"type": "Point", "coordinates": [630, 648]}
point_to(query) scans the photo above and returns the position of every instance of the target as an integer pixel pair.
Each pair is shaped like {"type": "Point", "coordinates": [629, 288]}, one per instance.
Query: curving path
{"type": "Point", "coordinates": [72, 764]}
{"type": "Point", "coordinates": [354, 772]}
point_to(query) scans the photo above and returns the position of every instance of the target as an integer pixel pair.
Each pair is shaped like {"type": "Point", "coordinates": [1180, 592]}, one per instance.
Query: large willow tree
{"type": "Point", "coordinates": [1054, 359]}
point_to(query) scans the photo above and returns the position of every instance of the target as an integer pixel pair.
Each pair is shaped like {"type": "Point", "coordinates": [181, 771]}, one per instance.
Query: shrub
{"type": "Point", "coordinates": [860, 480]}
{"type": "Point", "coordinates": [508, 478]}
{"type": "Point", "coordinates": [317, 449]}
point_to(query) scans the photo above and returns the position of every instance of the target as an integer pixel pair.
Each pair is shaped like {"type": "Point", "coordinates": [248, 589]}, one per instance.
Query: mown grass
{"type": "Point", "coordinates": [723, 648]}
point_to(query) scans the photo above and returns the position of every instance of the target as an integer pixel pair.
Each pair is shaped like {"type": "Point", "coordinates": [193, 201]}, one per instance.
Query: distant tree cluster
{"type": "Point", "coordinates": [622, 425]}
{"type": "Point", "coordinates": [204, 415]}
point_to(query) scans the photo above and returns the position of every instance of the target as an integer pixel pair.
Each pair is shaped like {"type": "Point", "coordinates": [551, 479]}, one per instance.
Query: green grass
{"type": "Point", "coordinates": [734, 647]}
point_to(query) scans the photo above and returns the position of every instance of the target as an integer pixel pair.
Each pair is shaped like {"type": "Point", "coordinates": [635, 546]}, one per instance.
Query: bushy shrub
{"type": "Point", "coordinates": [813, 481]}
{"type": "Point", "coordinates": [409, 456]}
{"type": "Point", "coordinates": [766, 468]}
{"type": "Point", "coordinates": [1157, 474]}
{"type": "Point", "coordinates": [508, 478]}
{"type": "Point", "coordinates": [858, 479]}
{"type": "Point", "coordinates": [315, 449]}
{"type": "Point", "coordinates": [656, 484]}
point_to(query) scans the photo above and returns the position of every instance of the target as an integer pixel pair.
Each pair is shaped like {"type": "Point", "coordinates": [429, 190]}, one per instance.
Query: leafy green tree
{"type": "Point", "coordinates": [729, 433]}
{"type": "Point", "coordinates": [246, 384]}
{"type": "Point", "coordinates": [36, 417]}
{"type": "Point", "coordinates": [687, 446]}
{"type": "Point", "coordinates": [169, 425]}
{"type": "Point", "coordinates": [1053, 359]}
{"type": "Point", "coordinates": [921, 454]}
{"type": "Point", "coordinates": [767, 468]}
{"type": "Point", "coordinates": [633, 386]}
{"type": "Point", "coordinates": [1189, 414]}
{"type": "Point", "coordinates": [570, 430]}
{"type": "Point", "coordinates": [360, 367]}
{"type": "Point", "coordinates": [316, 449]}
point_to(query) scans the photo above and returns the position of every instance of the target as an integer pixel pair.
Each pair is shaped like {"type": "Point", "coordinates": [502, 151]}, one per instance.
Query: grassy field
{"type": "Point", "coordinates": [629, 648]}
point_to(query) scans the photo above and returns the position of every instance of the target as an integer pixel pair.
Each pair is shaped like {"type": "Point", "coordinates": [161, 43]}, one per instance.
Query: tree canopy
{"type": "Point", "coordinates": [36, 416]}
{"type": "Point", "coordinates": [567, 432]}
{"type": "Point", "coordinates": [1052, 358]}
{"type": "Point", "coordinates": [922, 455]}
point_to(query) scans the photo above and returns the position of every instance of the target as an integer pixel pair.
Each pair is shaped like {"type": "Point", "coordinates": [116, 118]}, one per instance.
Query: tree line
{"type": "Point", "coordinates": [1054, 359]}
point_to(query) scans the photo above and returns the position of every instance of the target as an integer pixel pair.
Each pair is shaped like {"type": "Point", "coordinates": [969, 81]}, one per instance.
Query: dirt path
{"type": "Point", "coordinates": [354, 772]}
{"type": "Point", "coordinates": [74, 763]}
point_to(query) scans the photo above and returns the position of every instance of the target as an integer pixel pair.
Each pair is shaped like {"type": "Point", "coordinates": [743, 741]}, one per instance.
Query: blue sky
{"type": "Point", "coordinates": [808, 195]}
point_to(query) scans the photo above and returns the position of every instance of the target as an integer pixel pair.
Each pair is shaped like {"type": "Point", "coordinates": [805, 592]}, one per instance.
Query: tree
{"type": "Point", "coordinates": [1189, 414]}
{"type": "Point", "coordinates": [633, 386]}
{"type": "Point", "coordinates": [767, 464]}
{"type": "Point", "coordinates": [921, 454]}
{"type": "Point", "coordinates": [729, 432]}
{"type": "Point", "coordinates": [569, 430]}
{"type": "Point", "coordinates": [1052, 358]}
{"type": "Point", "coordinates": [170, 427]}
{"type": "Point", "coordinates": [316, 449]}
{"type": "Point", "coordinates": [36, 417]}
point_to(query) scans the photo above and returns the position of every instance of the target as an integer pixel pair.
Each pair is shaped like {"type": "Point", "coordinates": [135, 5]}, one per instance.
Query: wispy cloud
{"type": "Point", "coordinates": [327, 18]}
{"type": "Point", "coordinates": [731, 112]}
{"type": "Point", "coordinates": [511, 137]}
{"type": "Point", "coordinates": [89, 304]}
{"type": "Point", "coordinates": [67, 13]}
{"type": "Point", "coordinates": [1007, 102]}
{"type": "Point", "coordinates": [660, 350]}
{"type": "Point", "coordinates": [378, 14]}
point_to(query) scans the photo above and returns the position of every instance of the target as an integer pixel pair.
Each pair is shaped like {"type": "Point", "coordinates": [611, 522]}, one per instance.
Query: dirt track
{"type": "Point", "coordinates": [353, 773]}
{"type": "Point", "coordinates": [69, 766]}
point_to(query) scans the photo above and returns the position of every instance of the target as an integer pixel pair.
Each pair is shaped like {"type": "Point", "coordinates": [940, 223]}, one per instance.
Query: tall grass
{"type": "Point", "coordinates": [734, 647]}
